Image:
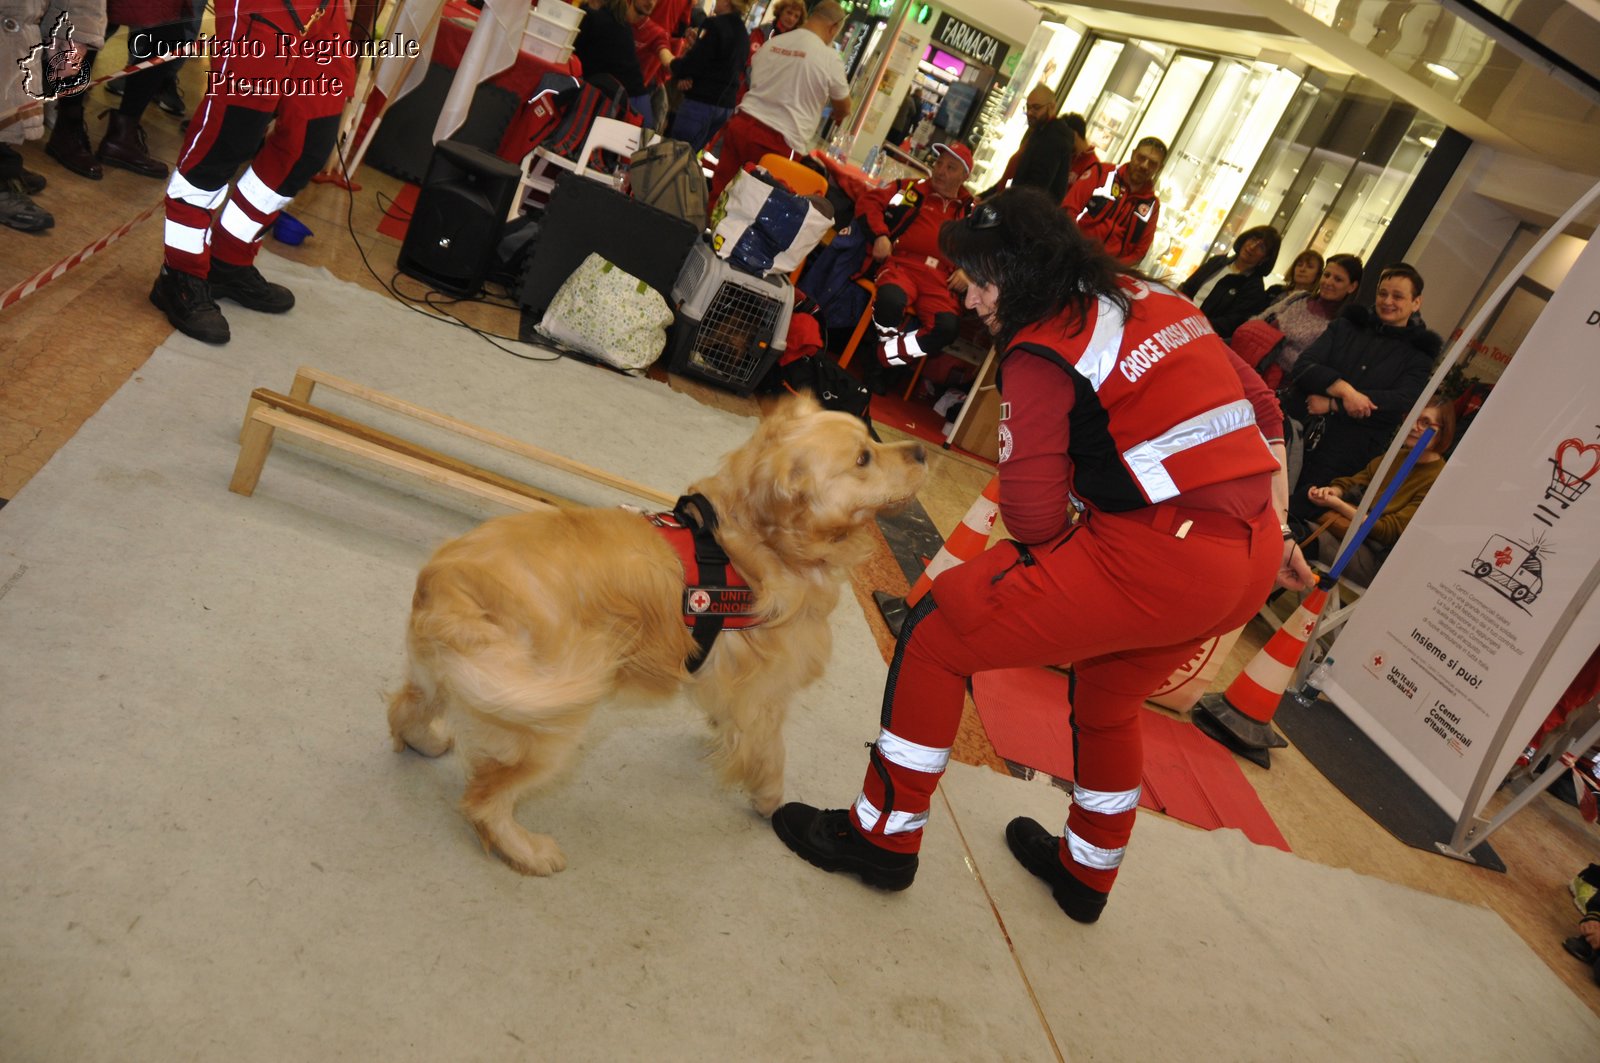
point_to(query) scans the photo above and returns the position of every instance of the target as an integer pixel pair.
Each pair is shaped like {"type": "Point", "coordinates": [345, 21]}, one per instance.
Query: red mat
{"type": "Point", "coordinates": [1026, 713]}
{"type": "Point", "coordinates": [397, 218]}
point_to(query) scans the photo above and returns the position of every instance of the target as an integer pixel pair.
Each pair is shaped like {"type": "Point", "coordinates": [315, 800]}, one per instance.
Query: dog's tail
{"type": "Point", "coordinates": [499, 674]}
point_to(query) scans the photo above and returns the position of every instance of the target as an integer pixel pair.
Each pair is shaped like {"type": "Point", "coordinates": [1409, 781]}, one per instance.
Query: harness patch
{"type": "Point", "coordinates": [715, 595]}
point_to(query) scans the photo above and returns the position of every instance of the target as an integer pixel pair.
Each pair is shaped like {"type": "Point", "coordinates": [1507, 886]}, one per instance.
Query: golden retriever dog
{"type": "Point", "coordinates": [522, 626]}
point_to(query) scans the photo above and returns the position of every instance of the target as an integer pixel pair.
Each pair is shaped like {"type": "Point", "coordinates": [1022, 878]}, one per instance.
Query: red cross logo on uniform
{"type": "Point", "coordinates": [699, 601]}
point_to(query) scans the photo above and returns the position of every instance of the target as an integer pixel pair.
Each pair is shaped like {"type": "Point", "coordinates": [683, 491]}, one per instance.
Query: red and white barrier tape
{"type": "Point", "coordinates": [39, 280]}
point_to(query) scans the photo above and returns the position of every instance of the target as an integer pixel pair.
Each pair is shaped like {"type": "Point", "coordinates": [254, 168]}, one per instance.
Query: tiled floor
{"type": "Point", "coordinates": [66, 349]}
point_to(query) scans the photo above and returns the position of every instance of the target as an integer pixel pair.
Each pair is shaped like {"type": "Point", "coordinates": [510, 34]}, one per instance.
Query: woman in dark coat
{"type": "Point", "coordinates": [709, 74]}
{"type": "Point", "coordinates": [1354, 387]}
{"type": "Point", "coordinates": [1230, 289]}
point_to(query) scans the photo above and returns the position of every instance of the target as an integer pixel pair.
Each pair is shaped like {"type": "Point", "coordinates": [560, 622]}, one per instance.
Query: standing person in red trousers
{"type": "Point", "coordinates": [283, 60]}
{"type": "Point", "coordinates": [791, 78]}
{"type": "Point", "coordinates": [1138, 487]}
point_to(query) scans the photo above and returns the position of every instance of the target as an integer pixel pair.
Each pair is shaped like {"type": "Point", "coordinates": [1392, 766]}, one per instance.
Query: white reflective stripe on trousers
{"type": "Point", "coordinates": [906, 754]}
{"type": "Point", "coordinates": [180, 189]}
{"type": "Point", "coordinates": [1106, 802]}
{"type": "Point", "coordinates": [258, 195]}
{"type": "Point", "coordinates": [239, 224]}
{"type": "Point", "coordinates": [185, 238]}
{"type": "Point", "coordinates": [1092, 855]}
{"type": "Point", "coordinates": [1146, 460]}
{"type": "Point", "coordinates": [899, 822]}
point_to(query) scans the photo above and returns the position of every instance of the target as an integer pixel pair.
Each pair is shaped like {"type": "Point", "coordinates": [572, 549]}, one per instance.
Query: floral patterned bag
{"type": "Point", "coordinates": [608, 314]}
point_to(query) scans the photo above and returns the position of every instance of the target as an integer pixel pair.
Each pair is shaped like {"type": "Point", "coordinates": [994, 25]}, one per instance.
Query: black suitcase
{"type": "Point", "coordinates": [584, 216]}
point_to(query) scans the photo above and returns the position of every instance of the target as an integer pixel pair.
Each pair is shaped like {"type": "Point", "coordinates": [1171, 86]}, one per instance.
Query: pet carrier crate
{"type": "Point", "coordinates": [731, 326]}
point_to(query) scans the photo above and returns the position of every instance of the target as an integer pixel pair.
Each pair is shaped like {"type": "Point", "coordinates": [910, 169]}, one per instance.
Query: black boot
{"type": "Point", "coordinates": [187, 302]}
{"type": "Point", "coordinates": [830, 841]}
{"type": "Point", "coordinates": [124, 145]}
{"type": "Point", "coordinates": [1040, 852]}
{"type": "Point", "coordinates": [69, 144]}
{"type": "Point", "coordinates": [246, 286]}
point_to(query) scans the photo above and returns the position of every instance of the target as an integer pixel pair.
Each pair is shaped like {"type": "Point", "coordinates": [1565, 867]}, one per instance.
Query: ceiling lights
{"type": "Point", "coordinates": [1442, 71]}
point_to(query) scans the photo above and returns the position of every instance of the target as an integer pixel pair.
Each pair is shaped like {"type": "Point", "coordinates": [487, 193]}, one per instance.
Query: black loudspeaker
{"type": "Point", "coordinates": [455, 226]}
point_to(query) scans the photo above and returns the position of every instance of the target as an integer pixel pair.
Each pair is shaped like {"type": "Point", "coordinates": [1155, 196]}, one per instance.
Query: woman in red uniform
{"type": "Point", "coordinates": [1138, 486]}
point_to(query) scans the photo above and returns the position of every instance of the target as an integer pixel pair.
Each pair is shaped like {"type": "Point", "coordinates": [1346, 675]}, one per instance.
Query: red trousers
{"type": "Point", "coordinates": [744, 140]}
{"type": "Point", "coordinates": [284, 62]}
{"type": "Point", "coordinates": [1125, 600]}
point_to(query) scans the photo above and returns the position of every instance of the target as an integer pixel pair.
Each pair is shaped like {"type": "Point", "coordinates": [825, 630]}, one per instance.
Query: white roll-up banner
{"type": "Point", "coordinates": [1493, 571]}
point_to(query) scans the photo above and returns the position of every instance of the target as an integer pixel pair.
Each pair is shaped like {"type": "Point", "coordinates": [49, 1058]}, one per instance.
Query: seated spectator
{"type": "Point", "coordinates": [606, 48]}
{"type": "Point", "coordinates": [709, 74]}
{"type": "Point", "coordinates": [1585, 945]}
{"type": "Point", "coordinates": [904, 219]}
{"type": "Point", "coordinates": [1351, 388]}
{"type": "Point", "coordinates": [1301, 317]}
{"type": "Point", "coordinates": [1229, 289]}
{"type": "Point", "coordinates": [1341, 496]}
{"type": "Point", "coordinates": [1304, 273]}
{"type": "Point", "coordinates": [1123, 209]}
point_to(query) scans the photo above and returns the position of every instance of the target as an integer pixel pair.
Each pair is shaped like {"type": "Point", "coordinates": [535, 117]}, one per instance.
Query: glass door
{"type": "Point", "coordinates": [1372, 192]}
{"type": "Point", "coordinates": [1091, 76]}
{"type": "Point", "coordinates": [1217, 148]}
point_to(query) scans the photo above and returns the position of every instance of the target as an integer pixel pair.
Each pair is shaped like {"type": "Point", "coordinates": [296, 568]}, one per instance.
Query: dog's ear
{"type": "Point", "coordinates": [793, 407]}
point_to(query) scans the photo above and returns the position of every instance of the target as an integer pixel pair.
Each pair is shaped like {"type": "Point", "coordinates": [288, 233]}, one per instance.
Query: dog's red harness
{"type": "Point", "coordinates": [715, 596]}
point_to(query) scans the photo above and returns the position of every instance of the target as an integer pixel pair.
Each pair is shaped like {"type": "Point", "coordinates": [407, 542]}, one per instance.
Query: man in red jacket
{"type": "Point", "coordinates": [1121, 209]}
{"type": "Point", "coordinates": [905, 218]}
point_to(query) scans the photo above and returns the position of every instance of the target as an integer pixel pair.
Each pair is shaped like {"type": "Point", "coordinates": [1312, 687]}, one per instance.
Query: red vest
{"type": "Point", "coordinates": [1158, 410]}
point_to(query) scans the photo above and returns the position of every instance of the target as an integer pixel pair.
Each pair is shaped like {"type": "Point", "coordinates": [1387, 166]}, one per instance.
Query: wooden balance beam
{"type": "Point", "coordinates": [270, 412]}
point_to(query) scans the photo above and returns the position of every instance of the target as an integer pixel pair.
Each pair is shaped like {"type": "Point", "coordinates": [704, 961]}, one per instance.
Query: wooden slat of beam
{"type": "Point", "coordinates": [426, 470]}
{"type": "Point", "coordinates": [357, 430]}
{"type": "Point", "coordinates": [307, 377]}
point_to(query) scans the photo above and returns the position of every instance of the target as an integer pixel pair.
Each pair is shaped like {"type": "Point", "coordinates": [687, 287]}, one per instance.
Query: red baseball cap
{"type": "Point", "coordinates": [960, 151]}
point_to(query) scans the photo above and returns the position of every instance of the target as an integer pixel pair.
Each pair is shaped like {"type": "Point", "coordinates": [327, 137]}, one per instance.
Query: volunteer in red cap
{"type": "Point", "coordinates": [913, 277]}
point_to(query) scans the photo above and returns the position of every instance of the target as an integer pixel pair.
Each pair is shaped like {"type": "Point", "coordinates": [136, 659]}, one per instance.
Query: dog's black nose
{"type": "Point", "coordinates": [919, 455]}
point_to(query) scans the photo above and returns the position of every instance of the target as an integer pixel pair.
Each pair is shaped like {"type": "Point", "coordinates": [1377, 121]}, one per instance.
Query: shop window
{"type": "Point", "coordinates": [1217, 146]}
{"type": "Point", "coordinates": [1091, 77]}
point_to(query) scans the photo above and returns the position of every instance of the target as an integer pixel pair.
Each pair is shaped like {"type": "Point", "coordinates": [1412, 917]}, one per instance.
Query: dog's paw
{"type": "Point", "coordinates": [766, 803]}
{"type": "Point", "coordinates": [533, 854]}
{"type": "Point", "coordinates": [431, 739]}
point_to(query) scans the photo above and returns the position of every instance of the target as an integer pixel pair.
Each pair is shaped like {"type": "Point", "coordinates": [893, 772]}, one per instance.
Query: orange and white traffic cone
{"type": "Point", "coordinates": [1241, 716]}
{"type": "Point", "coordinates": [969, 539]}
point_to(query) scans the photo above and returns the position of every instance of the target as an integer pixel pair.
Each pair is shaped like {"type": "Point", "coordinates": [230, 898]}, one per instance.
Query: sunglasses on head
{"type": "Point", "coordinates": [984, 216]}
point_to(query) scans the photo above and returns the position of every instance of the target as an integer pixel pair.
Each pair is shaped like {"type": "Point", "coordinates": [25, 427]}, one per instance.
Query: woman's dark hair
{"type": "Point", "coordinates": [1022, 241]}
{"type": "Point", "coordinates": [1267, 235]}
{"type": "Point", "coordinates": [1406, 270]}
{"type": "Point", "coordinates": [1349, 263]}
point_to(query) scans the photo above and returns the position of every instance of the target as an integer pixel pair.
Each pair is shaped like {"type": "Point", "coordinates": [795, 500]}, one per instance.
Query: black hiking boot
{"type": "Point", "coordinates": [187, 302]}
{"type": "Point", "coordinates": [830, 841]}
{"type": "Point", "coordinates": [246, 286]}
{"type": "Point", "coordinates": [1040, 852]}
